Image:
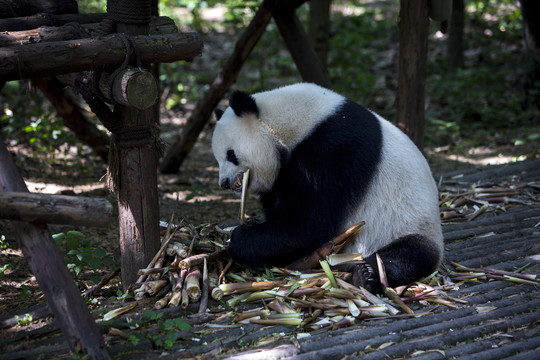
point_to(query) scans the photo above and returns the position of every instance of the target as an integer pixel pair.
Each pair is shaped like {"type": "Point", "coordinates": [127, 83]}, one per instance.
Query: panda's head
{"type": "Point", "coordinates": [242, 141]}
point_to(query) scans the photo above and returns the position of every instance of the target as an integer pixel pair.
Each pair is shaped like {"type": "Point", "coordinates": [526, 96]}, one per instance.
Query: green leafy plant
{"type": "Point", "coordinates": [81, 254]}
{"type": "Point", "coordinates": [169, 330]}
{"type": "Point", "coordinates": [24, 293]}
{"type": "Point", "coordinates": [3, 269]}
{"type": "Point", "coordinates": [121, 296]}
{"type": "Point", "coordinates": [24, 320]}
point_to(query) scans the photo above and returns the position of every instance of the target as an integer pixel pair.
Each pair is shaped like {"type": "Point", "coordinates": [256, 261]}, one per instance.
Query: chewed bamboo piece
{"type": "Point", "coordinates": [459, 204]}
{"type": "Point", "coordinates": [336, 244]}
{"type": "Point", "coordinates": [243, 197]}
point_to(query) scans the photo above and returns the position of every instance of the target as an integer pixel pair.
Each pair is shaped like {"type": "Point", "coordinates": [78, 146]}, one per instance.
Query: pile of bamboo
{"type": "Point", "coordinates": [466, 205]}
{"type": "Point", "coordinates": [192, 266]}
{"type": "Point", "coordinates": [185, 269]}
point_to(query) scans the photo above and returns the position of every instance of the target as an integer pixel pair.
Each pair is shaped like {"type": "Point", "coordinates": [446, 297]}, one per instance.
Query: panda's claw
{"type": "Point", "coordinates": [364, 275]}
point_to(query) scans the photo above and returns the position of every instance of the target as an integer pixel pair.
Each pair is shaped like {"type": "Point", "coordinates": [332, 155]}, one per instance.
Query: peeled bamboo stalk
{"type": "Point", "coordinates": [176, 297]}
{"type": "Point", "coordinates": [161, 303]}
{"type": "Point", "coordinates": [192, 286]}
{"type": "Point", "coordinates": [199, 259]}
{"type": "Point", "coordinates": [213, 285]}
{"type": "Point", "coordinates": [238, 288]}
{"type": "Point", "coordinates": [184, 302]}
{"type": "Point", "coordinates": [114, 313]}
{"type": "Point", "coordinates": [250, 314]}
{"type": "Point", "coordinates": [245, 180]}
{"type": "Point", "coordinates": [205, 288]}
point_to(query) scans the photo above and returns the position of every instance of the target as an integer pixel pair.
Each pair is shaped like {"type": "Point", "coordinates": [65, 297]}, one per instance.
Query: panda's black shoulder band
{"type": "Point", "coordinates": [243, 104]}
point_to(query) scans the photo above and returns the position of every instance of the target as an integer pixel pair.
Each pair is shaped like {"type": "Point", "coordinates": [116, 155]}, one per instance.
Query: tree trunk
{"type": "Point", "coordinates": [454, 55]}
{"type": "Point", "coordinates": [55, 209]}
{"type": "Point", "coordinates": [319, 29]}
{"type": "Point", "coordinates": [531, 26]}
{"type": "Point", "coordinates": [413, 35]}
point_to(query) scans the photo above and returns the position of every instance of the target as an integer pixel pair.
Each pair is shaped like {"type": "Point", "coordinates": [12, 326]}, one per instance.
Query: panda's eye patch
{"type": "Point", "coordinates": [231, 157]}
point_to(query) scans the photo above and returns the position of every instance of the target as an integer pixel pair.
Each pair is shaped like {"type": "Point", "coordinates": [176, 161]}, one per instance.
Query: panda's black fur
{"type": "Point", "coordinates": [321, 181]}
{"type": "Point", "coordinates": [305, 180]}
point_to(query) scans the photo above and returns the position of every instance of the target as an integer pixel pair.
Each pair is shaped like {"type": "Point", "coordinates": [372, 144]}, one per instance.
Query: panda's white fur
{"type": "Point", "coordinates": [401, 198]}
{"type": "Point", "coordinates": [286, 116]}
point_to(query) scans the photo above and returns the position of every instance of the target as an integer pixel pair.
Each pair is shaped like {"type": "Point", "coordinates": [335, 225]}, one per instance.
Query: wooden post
{"type": "Point", "coordinates": [46, 263]}
{"type": "Point", "coordinates": [413, 36]}
{"type": "Point", "coordinates": [138, 206]}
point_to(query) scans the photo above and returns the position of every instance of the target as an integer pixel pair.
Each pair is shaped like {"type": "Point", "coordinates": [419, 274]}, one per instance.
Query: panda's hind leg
{"type": "Point", "coordinates": [405, 260]}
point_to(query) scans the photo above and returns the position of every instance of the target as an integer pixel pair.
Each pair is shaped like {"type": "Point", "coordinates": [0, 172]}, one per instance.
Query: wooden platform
{"type": "Point", "coordinates": [501, 319]}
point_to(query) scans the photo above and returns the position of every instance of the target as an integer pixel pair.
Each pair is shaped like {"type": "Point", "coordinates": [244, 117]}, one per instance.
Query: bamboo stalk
{"type": "Point", "coordinates": [213, 285]}
{"type": "Point", "coordinates": [192, 286]}
{"type": "Point", "coordinates": [245, 180]}
{"type": "Point", "coordinates": [198, 259]}
{"type": "Point", "coordinates": [239, 288]}
{"type": "Point", "coordinates": [161, 303]}
{"type": "Point", "coordinates": [184, 302]}
{"type": "Point", "coordinates": [335, 244]}
{"type": "Point", "coordinates": [205, 288]}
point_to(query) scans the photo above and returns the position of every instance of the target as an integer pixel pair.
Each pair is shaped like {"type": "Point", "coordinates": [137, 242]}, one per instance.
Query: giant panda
{"type": "Point", "coordinates": [322, 163]}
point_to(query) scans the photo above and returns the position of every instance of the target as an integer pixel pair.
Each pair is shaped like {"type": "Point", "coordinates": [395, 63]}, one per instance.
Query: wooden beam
{"type": "Point", "coordinates": [35, 21]}
{"type": "Point", "coordinates": [178, 151]}
{"type": "Point", "coordinates": [55, 209]}
{"type": "Point", "coordinates": [30, 7]}
{"type": "Point", "coordinates": [158, 25]}
{"type": "Point", "coordinates": [80, 331]}
{"type": "Point", "coordinates": [297, 41]}
{"type": "Point", "coordinates": [413, 36]}
{"type": "Point", "coordinates": [62, 57]}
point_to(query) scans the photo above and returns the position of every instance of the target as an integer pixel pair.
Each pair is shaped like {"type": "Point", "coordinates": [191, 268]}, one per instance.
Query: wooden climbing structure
{"type": "Point", "coordinates": [108, 59]}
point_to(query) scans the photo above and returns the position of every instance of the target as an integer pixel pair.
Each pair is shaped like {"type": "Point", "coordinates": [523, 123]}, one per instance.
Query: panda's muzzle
{"type": "Point", "coordinates": [236, 186]}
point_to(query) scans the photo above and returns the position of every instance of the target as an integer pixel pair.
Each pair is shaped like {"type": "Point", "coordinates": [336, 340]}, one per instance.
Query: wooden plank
{"type": "Point", "coordinates": [46, 263]}
{"type": "Point", "coordinates": [55, 209]}
{"type": "Point", "coordinates": [62, 57]}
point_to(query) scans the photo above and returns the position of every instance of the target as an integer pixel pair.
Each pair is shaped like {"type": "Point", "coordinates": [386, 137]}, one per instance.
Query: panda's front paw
{"type": "Point", "coordinates": [364, 275]}
{"type": "Point", "coordinates": [242, 247]}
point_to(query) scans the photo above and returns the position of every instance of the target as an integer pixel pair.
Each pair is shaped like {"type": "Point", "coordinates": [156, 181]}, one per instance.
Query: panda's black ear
{"type": "Point", "coordinates": [218, 113]}
{"type": "Point", "coordinates": [243, 104]}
